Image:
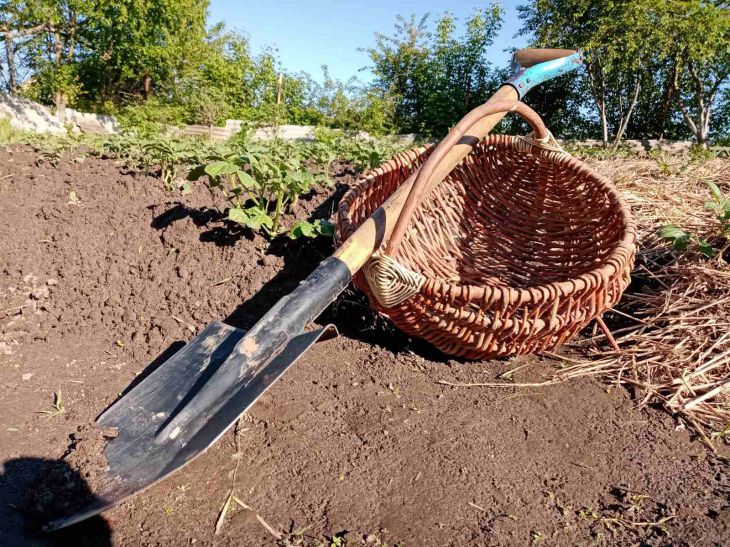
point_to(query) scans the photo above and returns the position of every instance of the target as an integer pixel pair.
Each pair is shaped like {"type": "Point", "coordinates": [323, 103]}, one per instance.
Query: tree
{"type": "Point", "coordinates": [51, 32]}
{"type": "Point", "coordinates": [614, 35]}
{"type": "Point", "coordinates": [700, 49]}
{"type": "Point", "coordinates": [435, 77]}
{"type": "Point", "coordinates": [400, 66]}
{"type": "Point", "coordinates": [651, 58]}
{"type": "Point", "coordinates": [137, 47]}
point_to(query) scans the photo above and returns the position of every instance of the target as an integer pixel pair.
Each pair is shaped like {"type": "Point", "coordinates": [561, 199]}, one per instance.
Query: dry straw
{"type": "Point", "coordinates": [673, 323]}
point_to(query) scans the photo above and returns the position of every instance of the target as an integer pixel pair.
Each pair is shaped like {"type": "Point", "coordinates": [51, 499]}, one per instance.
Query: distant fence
{"type": "Point", "coordinates": [220, 134]}
{"type": "Point", "coordinates": [285, 132]}
{"type": "Point", "coordinates": [307, 133]}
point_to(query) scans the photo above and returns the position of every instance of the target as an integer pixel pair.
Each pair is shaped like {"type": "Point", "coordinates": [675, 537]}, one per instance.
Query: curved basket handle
{"type": "Point", "coordinates": [427, 169]}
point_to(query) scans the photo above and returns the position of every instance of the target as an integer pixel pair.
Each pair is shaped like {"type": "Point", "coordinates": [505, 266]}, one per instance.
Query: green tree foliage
{"type": "Point", "coordinates": [435, 76]}
{"type": "Point", "coordinates": [650, 64]}
{"type": "Point", "coordinates": [157, 62]}
{"type": "Point", "coordinates": [699, 46]}
{"type": "Point", "coordinates": [138, 47]}
{"type": "Point", "coordinates": [654, 68]}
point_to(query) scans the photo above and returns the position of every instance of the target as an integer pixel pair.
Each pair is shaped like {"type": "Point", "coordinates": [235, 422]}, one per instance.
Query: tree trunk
{"type": "Point", "coordinates": [61, 100]}
{"type": "Point", "coordinates": [668, 96]}
{"type": "Point", "coordinates": [604, 123]}
{"type": "Point", "coordinates": [627, 116]}
{"type": "Point", "coordinates": [595, 72]}
{"type": "Point", "coordinates": [147, 85]}
{"type": "Point", "coordinates": [701, 127]}
{"type": "Point", "coordinates": [10, 61]}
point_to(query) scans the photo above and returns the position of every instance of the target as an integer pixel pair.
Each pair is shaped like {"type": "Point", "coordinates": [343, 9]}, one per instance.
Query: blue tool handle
{"type": "Point", "coordinates": [524, 79]}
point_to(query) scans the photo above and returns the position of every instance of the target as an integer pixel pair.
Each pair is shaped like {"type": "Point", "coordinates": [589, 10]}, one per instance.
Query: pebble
{"type": "Point", "coordinates": [40, 292]}
{"type": "Point", "coordinates": [270, 260]}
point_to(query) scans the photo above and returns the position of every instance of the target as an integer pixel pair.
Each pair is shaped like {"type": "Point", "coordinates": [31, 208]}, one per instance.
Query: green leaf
{"type": "Point", "coordinates": [253, 217]}
{"type": "Point", "coordinates": [302, 229]}
{"type": "Point", "coordinates": [246, 180]}
{"type": "Point", "coordinates": [325, 228]}
{"type": "Point", "coordinates": [680, 238]}
{"type": "Point", "coordinates": [716, 191]}
{"type": "Point", "coordinates": [705, 248]}
{"type": "Point", "coordinates": [222, 167]}
{"type": "Point", "coordinates": [185, 189]}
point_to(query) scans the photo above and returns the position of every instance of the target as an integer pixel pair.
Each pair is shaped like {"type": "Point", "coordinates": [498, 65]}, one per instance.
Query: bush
{"type": "Point", "coordinates": [6, 130]}
{"type": "Point", "coordinates": [150, 117]}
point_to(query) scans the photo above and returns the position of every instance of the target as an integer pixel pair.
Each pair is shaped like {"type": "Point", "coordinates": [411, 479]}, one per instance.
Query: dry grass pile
{"type": "Point", "coordinates": [673, 323]}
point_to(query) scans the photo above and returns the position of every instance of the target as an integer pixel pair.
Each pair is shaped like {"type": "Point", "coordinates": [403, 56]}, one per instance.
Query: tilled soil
{"type": "Point", "coordinates": [103, 273]}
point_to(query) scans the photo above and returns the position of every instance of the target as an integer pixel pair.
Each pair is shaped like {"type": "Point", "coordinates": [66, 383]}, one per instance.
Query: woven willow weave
{"type": "Point", "coordinates": [514, 252]}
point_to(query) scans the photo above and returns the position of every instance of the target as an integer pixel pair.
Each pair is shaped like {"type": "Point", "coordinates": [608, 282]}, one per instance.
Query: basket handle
{"type": "Point", "coordinates": [415, 196]}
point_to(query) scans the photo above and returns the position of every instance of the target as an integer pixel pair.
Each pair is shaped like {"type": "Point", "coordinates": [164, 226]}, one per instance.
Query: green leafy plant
{"type": "Point", "coordinates": [260, 183]}
{"type": "Point", "coordinates": [367, 154]}
{"type": "Point", "coordinates": [720, 206]}
{"type": "Point", "coordinates": [170, 155]}
{"type": "Point", "coordinates": [304, 228]}
{"type": "Point", "coordinates": [323, 154]}
{"type": "Point", "coordinates": [683, 240]}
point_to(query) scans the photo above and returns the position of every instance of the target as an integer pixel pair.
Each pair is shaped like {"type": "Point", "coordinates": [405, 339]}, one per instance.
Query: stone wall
{"type": "Point", "coordinates": [93, 123]}
{"type": "Point", "coordinates": [27, 115]}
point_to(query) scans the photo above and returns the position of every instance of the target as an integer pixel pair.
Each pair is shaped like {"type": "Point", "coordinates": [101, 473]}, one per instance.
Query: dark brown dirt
{"type": "Point", "coordinates": [86, 453]}
{"type": "Point", "coordinates": [358, 439]}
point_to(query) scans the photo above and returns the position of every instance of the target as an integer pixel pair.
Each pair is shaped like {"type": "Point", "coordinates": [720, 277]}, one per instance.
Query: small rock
{"type": "Point", "coordinates": [40, 292]}
{"type": "Point", "coordinates": [27, 376]}
{"type": "Point", "coordinates": [52, 282]}
{"type": "Point", "coordinates": [270, 260]}
{"type": "Point", "coordinates": [183, 272]}
{"type": "Point", "coordinates": [130, 317]}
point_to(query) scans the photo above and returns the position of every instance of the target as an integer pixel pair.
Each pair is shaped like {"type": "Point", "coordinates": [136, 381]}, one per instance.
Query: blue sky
{"type": "Point", "coordinates": [316, 32]}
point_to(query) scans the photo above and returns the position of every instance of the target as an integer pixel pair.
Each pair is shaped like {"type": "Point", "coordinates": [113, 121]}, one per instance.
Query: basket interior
{"type": "Point", "coordinates": [510, 218]}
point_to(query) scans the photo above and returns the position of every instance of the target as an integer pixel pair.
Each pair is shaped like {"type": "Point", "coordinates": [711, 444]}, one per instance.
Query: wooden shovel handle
{"type": "Point", "coordinates": [417, 193]}
{"type": "Point", "coordinates": [360, 246]}
{"type": "Point", "coordinates": [529, 57]}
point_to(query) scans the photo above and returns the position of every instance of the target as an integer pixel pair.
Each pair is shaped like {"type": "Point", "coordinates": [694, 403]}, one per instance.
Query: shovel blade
{"type": "Point", "coordinates": [136, 457]}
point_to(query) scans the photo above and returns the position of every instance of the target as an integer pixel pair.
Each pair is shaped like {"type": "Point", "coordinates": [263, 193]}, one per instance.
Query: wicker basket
{"type": "Point", "coordinates": [516, 250]}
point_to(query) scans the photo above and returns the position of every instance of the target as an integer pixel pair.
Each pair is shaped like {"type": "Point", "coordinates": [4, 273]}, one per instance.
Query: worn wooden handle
{"type": "Point", "coordinates": [529, 57]}
{"type": "Point", "coordinates": [417, 193]}
{"type": "Point", "coordinates": [360, 246]}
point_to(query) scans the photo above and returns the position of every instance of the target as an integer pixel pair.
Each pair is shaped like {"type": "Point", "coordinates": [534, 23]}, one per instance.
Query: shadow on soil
{"type": "Point", "coordinates": [350, 312]}
{"type": "Point", "coordinates": [21, 520]}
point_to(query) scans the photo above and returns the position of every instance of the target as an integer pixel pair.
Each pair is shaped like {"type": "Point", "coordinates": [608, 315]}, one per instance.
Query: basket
{"type": "Point", "coordinates": [514, 252]}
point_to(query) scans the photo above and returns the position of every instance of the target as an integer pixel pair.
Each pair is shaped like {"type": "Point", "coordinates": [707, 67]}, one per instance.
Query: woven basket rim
{"type": "Point", "coordinates": [620, 253]}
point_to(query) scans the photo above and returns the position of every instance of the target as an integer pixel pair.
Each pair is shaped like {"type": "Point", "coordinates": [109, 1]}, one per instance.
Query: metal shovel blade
{"type": "Point", "coordinates": [139, 456]}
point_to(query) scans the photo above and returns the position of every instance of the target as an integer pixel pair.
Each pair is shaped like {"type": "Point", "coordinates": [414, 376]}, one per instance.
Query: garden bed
{"type": "Point", "coordinates": [103, 273]}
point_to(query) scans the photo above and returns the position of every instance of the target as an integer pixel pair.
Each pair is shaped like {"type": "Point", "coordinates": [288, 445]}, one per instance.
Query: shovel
{"type": "Point", "coordinates": [185, 405]}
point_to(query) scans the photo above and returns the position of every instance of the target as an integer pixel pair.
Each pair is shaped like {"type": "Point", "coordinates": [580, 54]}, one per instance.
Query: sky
{"type": "Point", "coordinates": [316, 32]}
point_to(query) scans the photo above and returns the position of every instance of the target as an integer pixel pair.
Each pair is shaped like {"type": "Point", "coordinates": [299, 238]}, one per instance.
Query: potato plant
{"type": "Point", "coordinates": [171, 155]}
{"type": "Point", "coordinates": [260, 183]}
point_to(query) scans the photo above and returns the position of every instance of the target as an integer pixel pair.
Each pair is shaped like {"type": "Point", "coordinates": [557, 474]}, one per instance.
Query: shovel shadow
{"type": "Point", "coordinates": [25, 507]}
